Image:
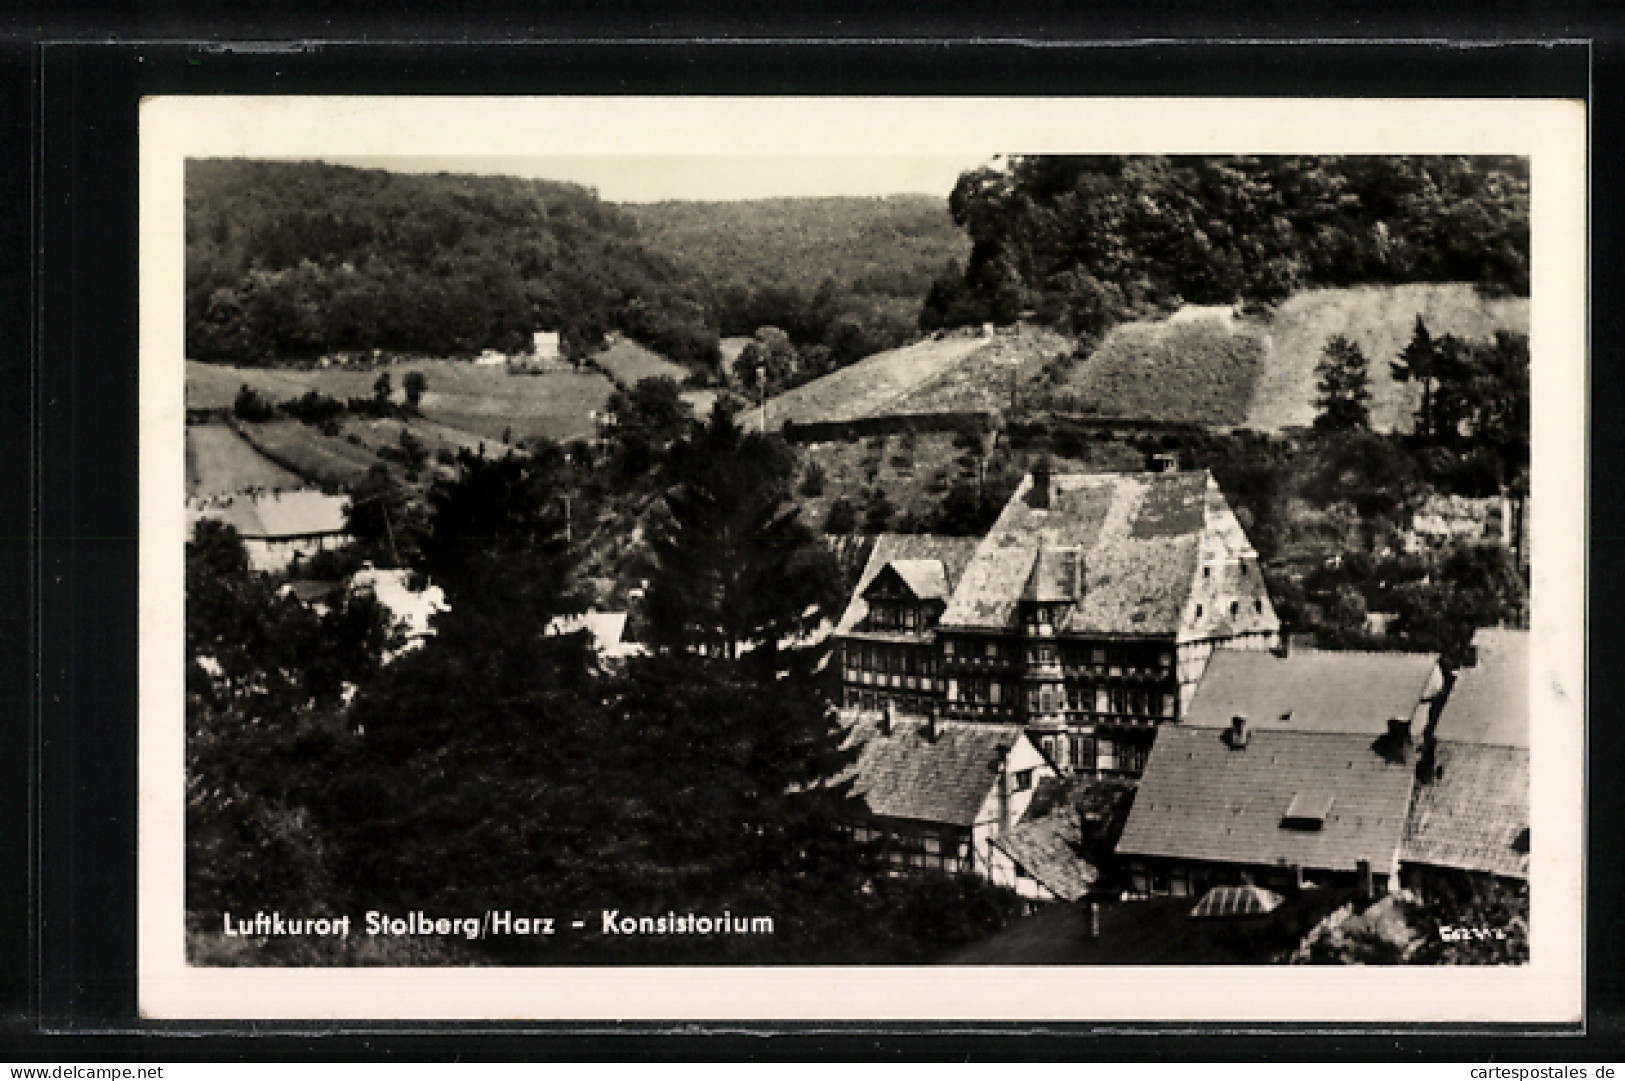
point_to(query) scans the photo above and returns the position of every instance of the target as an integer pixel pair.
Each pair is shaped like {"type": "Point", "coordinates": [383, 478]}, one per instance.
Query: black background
{"type": "Point", "coordinates": [70, 81]}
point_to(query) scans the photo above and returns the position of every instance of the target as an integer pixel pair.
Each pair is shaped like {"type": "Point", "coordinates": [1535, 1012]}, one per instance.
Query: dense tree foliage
{"type": "Point", "coordinates": [848, 274]}
{"type": "Point", "coordinates": [1084, 241]}
{"type": "Point", "coordinates": [1342, 387]}
{"type": "Point", "coordinates": [737, 568]}
{"type": "Point", "coordinates": [293, 260]}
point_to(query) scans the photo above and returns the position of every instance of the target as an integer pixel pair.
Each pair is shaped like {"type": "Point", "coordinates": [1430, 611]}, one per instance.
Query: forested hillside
{"type": "Point", "coordinates": [291, 260]}
{"type": "Point", "coordinates": [1084, 242]}
{"type": "Point", "coordinates": [824, 270]}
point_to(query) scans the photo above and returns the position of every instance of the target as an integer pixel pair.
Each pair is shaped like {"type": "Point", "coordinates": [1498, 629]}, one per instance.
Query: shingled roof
{"type": "Point", "coordinates": [1474, 814]}
{"type": "Point", "coordinates": [1049, 849]}
{"type": "Point", "coordinates": [1312, 690]}
{"type": "Point", "coordinates": [911, 549]}
{"type": "Point", "coordinates": [908, 775]}
{"type": "Point", "coordinates": [1490, 701]}
{"type": "Point", "coordinates": [1201, 799]}
{"type": "Point", "coordinates": [1141, 539]}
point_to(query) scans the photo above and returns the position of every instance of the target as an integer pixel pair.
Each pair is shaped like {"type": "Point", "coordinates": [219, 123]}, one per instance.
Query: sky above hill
{"type": "Point", "coordinates": [631, 179]}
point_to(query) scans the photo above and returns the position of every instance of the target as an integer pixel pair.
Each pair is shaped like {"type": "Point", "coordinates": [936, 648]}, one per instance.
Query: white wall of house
{"type": "Point", "coordinates": [1023, 770]}
{"type": "Point", "coordinates": [1003, 871]}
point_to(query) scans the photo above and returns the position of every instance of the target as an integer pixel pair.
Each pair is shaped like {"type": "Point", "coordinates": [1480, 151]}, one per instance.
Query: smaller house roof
{"type": "Point", "coordinates": [1490, 701]}
{"type": "Point", "coordinates": [950, 553]}
{"type": "Point", "coordinates": [1474, 814]}
{"type": "Point", "coordinates": [1049, 849]}
{"type": "Point", "coordinates": [1311, 690]}
{"type": "Point", "coordinates": [906, 774]}
{"type": "Point", "coordinates": [1202, 799]}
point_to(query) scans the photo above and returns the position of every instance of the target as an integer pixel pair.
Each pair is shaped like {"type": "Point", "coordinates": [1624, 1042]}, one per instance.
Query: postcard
{"type": "Point", "coordinates": [862, 559]}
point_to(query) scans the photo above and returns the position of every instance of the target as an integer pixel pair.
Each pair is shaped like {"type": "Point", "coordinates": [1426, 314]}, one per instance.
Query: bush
{"type": "Point", "coordinates": [314, 408]}
{"type": "Point", "coordinates": [842, 519]}
{"type": "Point", "coordinates": [252, 406]}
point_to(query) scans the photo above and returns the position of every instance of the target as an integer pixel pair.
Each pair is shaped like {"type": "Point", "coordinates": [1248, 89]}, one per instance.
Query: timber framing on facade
{"type": "Point", "coordinates": [1086, 615]}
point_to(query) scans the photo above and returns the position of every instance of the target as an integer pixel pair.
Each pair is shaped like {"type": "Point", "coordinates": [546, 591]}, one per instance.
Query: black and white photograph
{"type": "Point", "coordinates": [1054, 564]}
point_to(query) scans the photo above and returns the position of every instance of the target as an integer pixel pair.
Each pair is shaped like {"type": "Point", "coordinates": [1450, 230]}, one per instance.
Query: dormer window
{"type": "Point", "coordinates": [1307, 811]}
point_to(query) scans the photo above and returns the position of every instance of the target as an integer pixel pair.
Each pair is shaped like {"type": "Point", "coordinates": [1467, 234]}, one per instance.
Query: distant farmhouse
{"type": "Point", "coordinates": [277, 526]}
{"type": "Point", "coordinates": [1085, 617]}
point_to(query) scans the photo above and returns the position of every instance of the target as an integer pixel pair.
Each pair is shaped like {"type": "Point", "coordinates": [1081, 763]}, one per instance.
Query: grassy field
{"type": "Point", "coordinates": [983, 380]}
{"type": "Point", "coordinates": [323, 460]}
{"type": "Point", "coordinates": [627, 362]}
{"type": "Point", "coordinates": [479, 400]}
{"type": "Point", "coordinates": [219, 462]}
{"type": "Point", "coordinates": [873, 386]}
{"type": "Point", "coordinates": [1199, 371]}
{"type": "Point", "coordinates": [1380, 320]}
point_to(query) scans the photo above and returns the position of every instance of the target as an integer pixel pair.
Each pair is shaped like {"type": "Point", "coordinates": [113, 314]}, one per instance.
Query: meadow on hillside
{"type": "Point", "coordinates": [1380, 320]}
{"type": "Point", "coordinates": [1196, 372]}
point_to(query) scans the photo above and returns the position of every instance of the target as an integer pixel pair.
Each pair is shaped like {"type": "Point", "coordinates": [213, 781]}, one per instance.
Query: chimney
{"type": "Point", "coordinates": [1038, 496]}
{"type": "Point", "coordinates": [888, 717]}
{"type": "Point", "coordinates": [1238, 731]}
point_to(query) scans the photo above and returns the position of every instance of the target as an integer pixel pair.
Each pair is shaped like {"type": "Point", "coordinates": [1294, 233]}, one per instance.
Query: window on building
{"type": "Point", "coordinates": [1046, 654]}
{"type": "Point", "coordinates": [992, 651]}
{"type": "Point", "coordinates": [1179, 883]}
{"type": "Point", "coordinates": [1198, 611]}
{"type": "Point", "coordinates": [1141, 881]}
{"type": "Point", "coordinates": [1105, 754]}
{"type": "Point", "coordinates": [993, 692]}
{"type": "Point", "coordinates": [1097, 656]}
{"type": "Point", "coordinates": [1165, 659]}
{"type": "Point", "coordinates": [948, 647]}
{"type": "Point", "coordinates": [909, 619]}
{"type": "Point", "coordinates": [1024, 780]}
{"type": "Point", "coordinates": [1207, 572]}
{"type": "Point", "coordinates": [953, 690]}
{"type": "Point", "coordinates": [1234, 607]}
{"type": "Point", "coordinates": [1102, 700]}
{"type": "Point", "coordinates": [1082, 751]}
{"type": "Point", "coordinates": [1258, 606]}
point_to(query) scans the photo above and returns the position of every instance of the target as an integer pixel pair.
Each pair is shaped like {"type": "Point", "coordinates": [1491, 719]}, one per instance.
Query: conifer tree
{"type": "Point", "coordinates": [1344, 386]}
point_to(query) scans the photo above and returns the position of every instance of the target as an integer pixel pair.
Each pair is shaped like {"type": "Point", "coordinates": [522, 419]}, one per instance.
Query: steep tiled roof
{"type": "Point", "coordinates": [1048, 849]}
{"type": "Point", "coordinates": [953, 553]}
{"type": "Point", "coordinates": [1200, 799]}
{"type": "Point", "coordinates": [908, 775]}
{"type": "Point", "coordinates": [1312, 690]}
{"type": "Point", "coordinates": [1474, 814]}
{"type": "Point", "coordinates": [1141, 539]}
{"type": "Point", "coordinates": [1490, 701]}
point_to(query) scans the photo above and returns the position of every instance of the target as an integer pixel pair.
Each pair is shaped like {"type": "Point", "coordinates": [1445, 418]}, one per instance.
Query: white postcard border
{"type": "Point", "coordinates": [1551, 133]}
